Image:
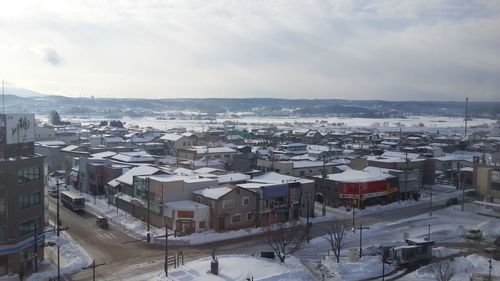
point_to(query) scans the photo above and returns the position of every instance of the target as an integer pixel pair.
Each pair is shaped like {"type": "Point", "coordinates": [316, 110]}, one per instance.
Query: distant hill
{"type": "Point", "coordinates": [33, 102]}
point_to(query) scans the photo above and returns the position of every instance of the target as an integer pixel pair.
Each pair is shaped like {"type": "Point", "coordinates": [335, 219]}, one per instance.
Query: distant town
{"type": "Point", "coordinates": [128, 201]}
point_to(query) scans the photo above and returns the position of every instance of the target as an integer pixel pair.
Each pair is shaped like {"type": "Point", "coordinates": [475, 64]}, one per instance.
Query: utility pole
{"type": "Point", "coordinates": [35, 246]}
{"type": "Point", "coordinates": [429, 232]}
{"type": "Point", "coordinates": [361, 238]}
{"type": "Point", "coordinates": [93, 266]}
{"type": "Point", "coordinates": [58, 220]}
{"type": "Point", "coordinates": [430, 204]}
{"type": "Point", "coordinates": [147, 198]}
{"type": "Point", "coordinates": [466, 115]}
{"type": "Point", "coordinates": [307, 221]}
{"type": "Point", "coordinates": [489, 271]}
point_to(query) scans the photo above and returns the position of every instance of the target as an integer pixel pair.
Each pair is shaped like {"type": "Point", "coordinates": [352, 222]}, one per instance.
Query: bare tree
{"type": "Point", "coordinates": [335, 237]}
{"type": "Point", "coordinates": [443, 270]}
{"type": "Point", "coordinates": [285, 240]}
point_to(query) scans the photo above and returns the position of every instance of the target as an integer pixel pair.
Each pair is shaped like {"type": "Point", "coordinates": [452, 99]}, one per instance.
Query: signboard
{"type": "Point", "coordinates": [495, 175]}
{"type": "Point", "coordinates": [475, 159]}
{"type": "Point", "coordinates": [185, 214]}
{"type": "Point", "coordinates": [17, 128]}
{"type": "Point", "coordinates": [275, 191]}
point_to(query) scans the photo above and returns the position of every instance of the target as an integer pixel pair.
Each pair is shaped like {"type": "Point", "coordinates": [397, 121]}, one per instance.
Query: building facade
{"type": "Point", "coordinates": [22, 203]}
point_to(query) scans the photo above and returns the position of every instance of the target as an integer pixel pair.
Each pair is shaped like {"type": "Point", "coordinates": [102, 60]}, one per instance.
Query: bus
{"type": "Point", "coordinates": [72, 200]}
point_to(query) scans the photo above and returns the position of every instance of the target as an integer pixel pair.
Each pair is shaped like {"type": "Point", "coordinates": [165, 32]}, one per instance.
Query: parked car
{"type": "Point", "coordinates": [474, 234]}
{"type": "Point", "coordinates": [452, 201]}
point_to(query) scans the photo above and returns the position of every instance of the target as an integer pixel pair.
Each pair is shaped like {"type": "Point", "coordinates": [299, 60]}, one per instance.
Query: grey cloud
{"type": "Point", "coordinates": [51, 56]}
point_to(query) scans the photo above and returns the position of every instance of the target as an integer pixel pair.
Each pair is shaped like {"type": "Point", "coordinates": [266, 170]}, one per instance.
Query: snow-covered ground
{"type": "Point", "coordinates": [235, 268]}
{"type": "Point", "coordinates": [72, 258]}
{"type": "Point", "coordinates": [444, 226]}
{"type": "Point", "coordinates": [463, 267]}
{"type": "Point", "coordinates": [430, 122]}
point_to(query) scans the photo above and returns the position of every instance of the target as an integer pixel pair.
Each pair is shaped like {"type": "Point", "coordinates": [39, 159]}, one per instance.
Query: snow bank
{"type": "Point", "coordinates": [441, 252]}
{"type": "Point", "coordinates": [463, 266]}
{"type": "Point", "coordinates": [490, 229]}
{"type": "Point", "coordinates": [365, 268]}
{"type": "Point", "coordinates": [237, 268]}
{"type": "Point", "coordinates": [73, 258]}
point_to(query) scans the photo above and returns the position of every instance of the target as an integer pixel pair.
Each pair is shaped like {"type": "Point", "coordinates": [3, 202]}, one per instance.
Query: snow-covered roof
{"type": "Point", "coordinates": [354, 176]}
{"type": "Point", "coordinates": [201, 150]}
{"type": "Point", "coordinates": [186, 205]}
{"type": "Point", "coordinates": [128, 177]}
{"type": "Point", "coordinates": [113, 139]}
{"type": "Point", "coordinates": [171, 137]}
{"type": "Point", "coordinates": [401, 155]}
{"type": "Point", "coordinates": [51, 143]}
{"type": "Point", "coordinates": [104, 154]}
{"type": "Point", "coordinates": [275, 178]}
{"type": "Point", "coordinates": [233, 177]}
{"type": "Point", "coordinates": [130, 157]}
{"type": "Point", "coordinates": [213, 193]}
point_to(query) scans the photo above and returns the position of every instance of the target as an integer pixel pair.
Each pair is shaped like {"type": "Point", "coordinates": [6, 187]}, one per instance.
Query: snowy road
{"type": "Point", "coordinates": [120, 251]}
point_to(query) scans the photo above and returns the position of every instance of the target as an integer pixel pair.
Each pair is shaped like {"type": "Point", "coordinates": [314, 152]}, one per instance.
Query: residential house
{"type": "Point", "coordinates": [231, 207]}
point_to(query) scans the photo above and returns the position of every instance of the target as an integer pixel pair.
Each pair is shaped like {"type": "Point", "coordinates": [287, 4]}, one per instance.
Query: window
{"type": "Point", "coordinates": [302, 173]}
{"type": "Point", "coordinates": [29, 227]}
{"type": "Point", "coordinates": [29, 200]}
{"type": "Point", "coordinates": [245, 201]}
{"type": "Point", "coordinates": [201, 224]}
{"type": "Point", "coordinates": [2, 205]}
{"type": "Point", "coordinates": [236, 218]}
{"type": "Point", "coordinates": [28, 174]}
{"type": "Point", "coordinates": [228, 204]}
{"type": "Point", "coordinates": [3, 234]}
{"type": "Point", "coordinates": [249, 216]}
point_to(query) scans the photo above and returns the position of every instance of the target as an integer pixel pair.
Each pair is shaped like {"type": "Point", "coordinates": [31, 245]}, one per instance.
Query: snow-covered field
{"type": "Point", "coordinates": [234, 268]}
{"type": "Point", "coordinates": [430, 122]}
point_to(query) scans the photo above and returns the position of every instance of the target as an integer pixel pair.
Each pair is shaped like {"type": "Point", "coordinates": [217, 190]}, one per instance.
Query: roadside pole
{"type": "Point", "coordinates": [93, 266]}
{"type": "Point", "coordinates": [361, 238]}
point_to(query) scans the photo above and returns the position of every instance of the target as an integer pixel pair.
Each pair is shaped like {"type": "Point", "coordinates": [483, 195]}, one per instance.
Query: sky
{"type": "Point", "coordinates": [342, 49]}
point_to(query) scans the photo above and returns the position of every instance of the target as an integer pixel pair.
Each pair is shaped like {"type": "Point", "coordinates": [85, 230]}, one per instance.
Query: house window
{"type": "Point", "coordinates": [228, 204]}
{"type": "Point", "coordinates": [245, 201]}
{"type": "Point", "coordinates": [28, 174]}
{"type": "Point", "coordinates": [201, 224]}
{"type": "Point", "coordinates": [236, 218]}
{"type": "Point", "coordinates": [302, 173]}
{"type": "Point", "coordinates": [249, 216]}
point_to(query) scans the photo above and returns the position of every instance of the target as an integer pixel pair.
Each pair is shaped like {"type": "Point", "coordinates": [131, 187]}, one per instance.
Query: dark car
{"type": "Point", "coordinates": [452, 201]}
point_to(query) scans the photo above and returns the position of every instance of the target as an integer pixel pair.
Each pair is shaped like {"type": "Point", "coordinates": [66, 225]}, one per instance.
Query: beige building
{"type": "Point", "coordinates": [486, 181]}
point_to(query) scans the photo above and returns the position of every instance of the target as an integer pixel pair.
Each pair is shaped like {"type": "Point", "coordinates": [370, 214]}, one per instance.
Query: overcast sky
{"type": "Point", "coordinates": [347, 49]}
